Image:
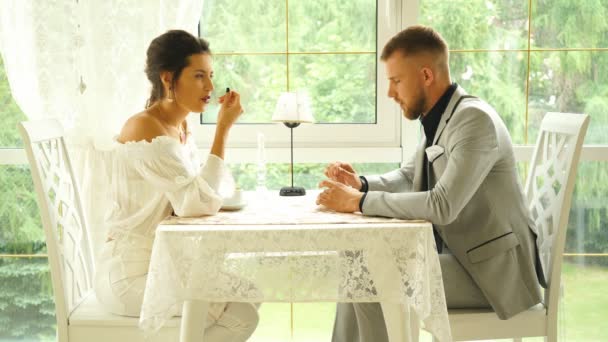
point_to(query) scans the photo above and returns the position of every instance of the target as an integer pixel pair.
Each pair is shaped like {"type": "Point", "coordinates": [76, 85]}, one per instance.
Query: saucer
{"type": "Point", "coordinates": [233, 207]}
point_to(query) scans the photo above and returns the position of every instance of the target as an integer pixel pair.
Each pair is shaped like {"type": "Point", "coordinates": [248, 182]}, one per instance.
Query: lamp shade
{"type": "Point", "coordinates": [293, 107]}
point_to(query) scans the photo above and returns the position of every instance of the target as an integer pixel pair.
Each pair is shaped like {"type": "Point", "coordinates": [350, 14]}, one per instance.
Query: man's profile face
{"type": "Point", "coordinates": [406, 84]}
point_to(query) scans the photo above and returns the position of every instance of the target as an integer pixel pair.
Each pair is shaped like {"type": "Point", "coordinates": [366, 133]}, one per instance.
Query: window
{"type": "Point", "coordinates": [524, 60]}
{"type": "Point", "coordinates": [327, 48]}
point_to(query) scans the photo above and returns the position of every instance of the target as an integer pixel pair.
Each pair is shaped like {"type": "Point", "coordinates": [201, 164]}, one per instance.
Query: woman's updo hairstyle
{"type": "Point", "coordinates": [170, 52]}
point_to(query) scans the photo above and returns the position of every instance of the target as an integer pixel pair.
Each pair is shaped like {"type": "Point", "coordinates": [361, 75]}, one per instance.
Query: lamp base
{"type": "Point", "coordinates": [292, 191]}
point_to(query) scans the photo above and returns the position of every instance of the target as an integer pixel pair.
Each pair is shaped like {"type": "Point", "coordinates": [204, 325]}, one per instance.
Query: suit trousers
{"type": "Point", "coordinates": [364, 322]}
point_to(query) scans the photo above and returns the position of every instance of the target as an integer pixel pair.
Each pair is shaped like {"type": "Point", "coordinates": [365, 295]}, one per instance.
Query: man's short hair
{"type": "Point", "coordinates": [414, 40]}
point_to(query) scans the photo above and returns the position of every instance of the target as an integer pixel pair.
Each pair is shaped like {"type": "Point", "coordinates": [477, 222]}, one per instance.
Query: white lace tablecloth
{"type": "Point", "coordinates": [286, 249]}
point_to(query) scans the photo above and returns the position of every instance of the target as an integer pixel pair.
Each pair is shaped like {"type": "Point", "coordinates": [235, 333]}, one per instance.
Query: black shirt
{"type": "Point", "coordinates": [430, 123]}
{"type": "Point", "coordinates": [431, 120]}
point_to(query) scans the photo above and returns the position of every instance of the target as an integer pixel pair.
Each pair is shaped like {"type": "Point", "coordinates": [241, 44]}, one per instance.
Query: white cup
{"type": "Point", "coordinates": [235, 199]}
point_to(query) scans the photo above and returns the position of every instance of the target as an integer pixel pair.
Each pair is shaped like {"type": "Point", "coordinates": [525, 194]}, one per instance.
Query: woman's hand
{"type": "Point", "coordinates": [230, 110]}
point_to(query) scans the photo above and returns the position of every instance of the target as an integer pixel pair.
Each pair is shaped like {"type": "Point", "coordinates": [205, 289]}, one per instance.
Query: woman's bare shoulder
{"type": "Point", "coordinates": [141, 126]}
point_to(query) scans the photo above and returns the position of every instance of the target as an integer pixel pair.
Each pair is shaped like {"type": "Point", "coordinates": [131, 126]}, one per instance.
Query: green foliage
{"type": "Point", "coordinates": [497, 77]}
{"type": "Point", "coordinates": [342, 86]}
{"type": "Point", "coordinates": [589, 215]}
{"type": "Point", "coordinates": [10, 114]}
{"type": "Point", "coordinates": [26, 304]}
{"type": "Point", "coordinates": [259, 80]}
{"type": "Point", "coordinates": [584, 304]}
{"type": "Point", "coordinates": [20, 229]}
{"type": "Point", "coordinates": [20, 226]}
{"type": "Point", "coordinates": [570, 24]}
{"type": "Point", "coordinates": [478, 24]}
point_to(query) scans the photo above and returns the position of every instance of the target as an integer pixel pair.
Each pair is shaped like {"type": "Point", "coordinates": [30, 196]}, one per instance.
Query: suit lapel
{"type": "Point", "coordinates": [448, 112]}
{"type": "Point", "coordinates": [419, 166]}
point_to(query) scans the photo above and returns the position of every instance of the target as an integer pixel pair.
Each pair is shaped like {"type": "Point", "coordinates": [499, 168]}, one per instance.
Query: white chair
{"type": "Point", "coordinates": [549, 192]}
{"type": "Point", "coordinates": [79, 315]}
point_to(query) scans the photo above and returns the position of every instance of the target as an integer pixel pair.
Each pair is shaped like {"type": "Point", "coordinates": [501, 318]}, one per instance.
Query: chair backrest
{"type": "Point", "coordinates": [549, 189]}
{"type": "Point", "coordinates": [68, 245]}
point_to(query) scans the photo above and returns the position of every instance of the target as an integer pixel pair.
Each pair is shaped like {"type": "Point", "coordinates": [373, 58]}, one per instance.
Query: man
{"type": "Point", "coordinates": [463, 179]}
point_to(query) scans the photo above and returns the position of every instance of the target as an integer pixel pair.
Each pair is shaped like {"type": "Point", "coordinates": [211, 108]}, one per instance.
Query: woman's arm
{"type": "Point", "coordinates": [229, 112]}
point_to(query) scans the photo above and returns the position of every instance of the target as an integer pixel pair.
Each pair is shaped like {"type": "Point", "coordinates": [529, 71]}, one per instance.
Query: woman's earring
{"type": "Point", "coordinates": [171, 95]}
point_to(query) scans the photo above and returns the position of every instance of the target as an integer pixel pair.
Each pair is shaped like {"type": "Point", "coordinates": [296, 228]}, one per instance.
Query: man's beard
{"type": "Point", "coordinates": [417, 109]}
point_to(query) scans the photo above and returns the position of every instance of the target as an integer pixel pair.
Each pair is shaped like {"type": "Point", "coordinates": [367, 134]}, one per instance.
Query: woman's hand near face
{"type": "Point", "coordinates": [230, 110]}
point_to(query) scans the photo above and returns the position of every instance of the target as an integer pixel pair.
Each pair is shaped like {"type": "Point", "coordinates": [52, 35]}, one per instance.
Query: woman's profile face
{"type": "Point", "coordinates": [194, 86]}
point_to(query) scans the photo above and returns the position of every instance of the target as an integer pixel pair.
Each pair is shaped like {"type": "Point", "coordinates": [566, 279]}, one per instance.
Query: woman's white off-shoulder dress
{"type": "Point", "coordinates": [149, 181]}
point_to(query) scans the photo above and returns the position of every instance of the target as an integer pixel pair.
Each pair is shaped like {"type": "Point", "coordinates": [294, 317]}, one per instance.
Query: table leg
{"type": "Point", "coordinates": [414, 326]}
{"type": "Point", "coordinates": [402, 324]}
{"type": "Point", "coordinates": [194, 316]}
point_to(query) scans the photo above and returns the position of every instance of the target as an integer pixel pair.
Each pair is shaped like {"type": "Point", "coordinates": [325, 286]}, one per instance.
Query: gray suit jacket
{"type": "Point", "coordinates": [476, 203]}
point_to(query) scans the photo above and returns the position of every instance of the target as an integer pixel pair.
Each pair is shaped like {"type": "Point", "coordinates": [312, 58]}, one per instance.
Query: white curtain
{"type": "Point", "coordinates": [82, 62]}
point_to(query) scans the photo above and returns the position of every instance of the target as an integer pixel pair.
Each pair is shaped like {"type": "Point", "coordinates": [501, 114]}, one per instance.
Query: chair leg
{"type": "Point", "coordinates": [551, 335]}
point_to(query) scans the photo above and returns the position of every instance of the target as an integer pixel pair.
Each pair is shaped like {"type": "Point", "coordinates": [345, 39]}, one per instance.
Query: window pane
{"type": "Point", "coordinates": [478, 24]}
{"type": "Point", "coordinates": [20, 227]}
{"type": "Point", "coordinates": [586, 307]}
{"type": "Point", "coordinates": [588, 221]}
{"type": "Point", "coordinates": [342, 87]}
{"type": "Point", "coordinates": [27, 311]}
{"type": "Point", "coordinates": [342, 84]}
{"type": "Point", "coordinates": [10, 114]}
{"type": "Point", "coordinates": [329, 25]}
{"type": "Point", "coordinates": [498, 78]}
{"type": "Point", "coordinates": [306, 175]}
{"type": "Point", "coordinates": [259, 80]}
{"type": "Point", "coordinates": [569, 82]}
{"type": "Point", "coordinates": [244, 26]}
{"type": "Point", "coordinates": [569, 24]}
{"type": "Point", "coordinates": [585, 300]}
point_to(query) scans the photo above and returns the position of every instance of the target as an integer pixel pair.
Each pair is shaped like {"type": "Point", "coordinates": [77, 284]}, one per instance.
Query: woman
{"type": "Point", "coordinates": [156, 171]}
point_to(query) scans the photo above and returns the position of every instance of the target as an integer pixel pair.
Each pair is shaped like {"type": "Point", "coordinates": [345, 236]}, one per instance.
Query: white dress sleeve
{"type": "Point", "coordinates": [191, 189]}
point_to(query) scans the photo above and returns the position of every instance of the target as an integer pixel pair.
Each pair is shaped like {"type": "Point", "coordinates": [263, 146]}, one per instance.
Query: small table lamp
{"type": "Point", "coordinates": [292, 110]}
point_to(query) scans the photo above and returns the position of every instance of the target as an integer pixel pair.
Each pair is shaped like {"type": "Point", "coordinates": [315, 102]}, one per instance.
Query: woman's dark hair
{"type": "Point", "coordinates": [170, 52]}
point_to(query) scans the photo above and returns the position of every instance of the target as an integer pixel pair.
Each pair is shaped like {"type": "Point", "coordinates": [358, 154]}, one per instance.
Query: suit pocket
{"type": "Point", "coordinates": [492, 248]}
{"type": "Point", "coordinates": [433, 152]}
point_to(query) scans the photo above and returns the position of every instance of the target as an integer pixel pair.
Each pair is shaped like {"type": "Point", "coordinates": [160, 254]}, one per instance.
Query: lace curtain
{"type": "Point", "coordinates": [82, 62]}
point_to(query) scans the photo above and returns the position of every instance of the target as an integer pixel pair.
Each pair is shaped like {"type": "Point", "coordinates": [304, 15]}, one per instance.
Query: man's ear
{"type": "Point", "coordinates": [427, 75]}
